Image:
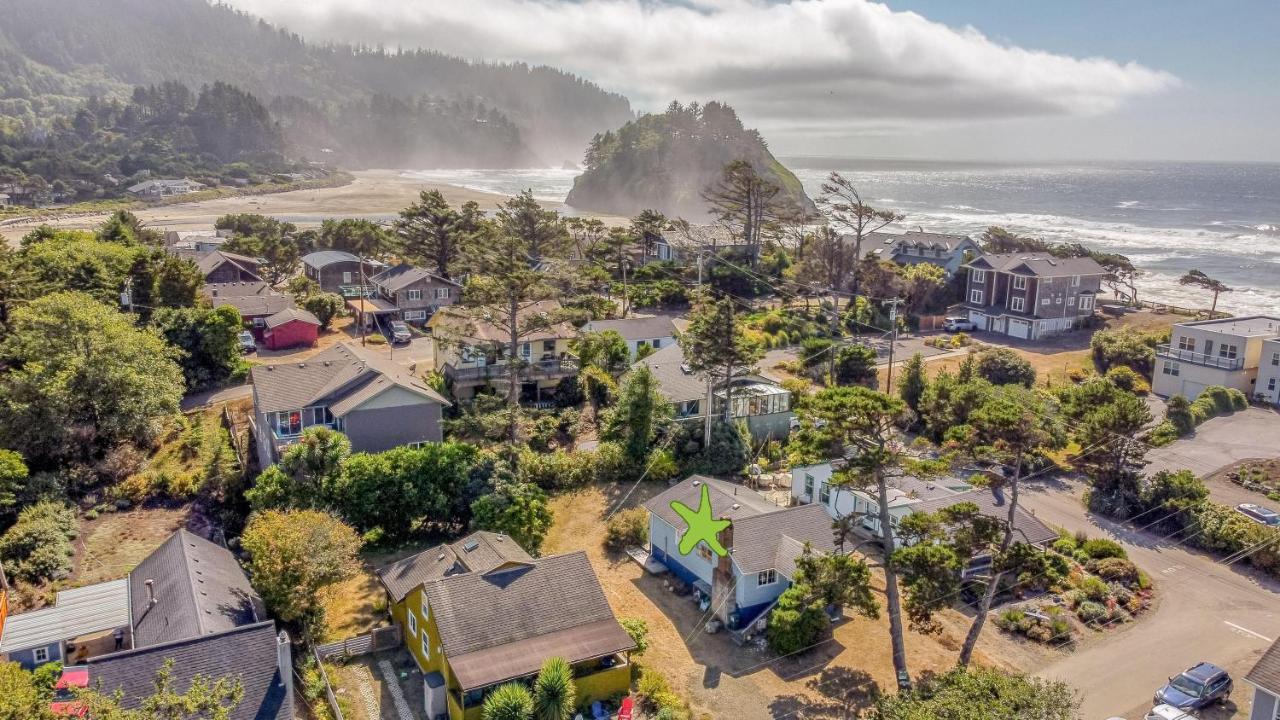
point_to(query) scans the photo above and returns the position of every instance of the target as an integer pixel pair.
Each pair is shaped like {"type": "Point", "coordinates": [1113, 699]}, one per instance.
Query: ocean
{"type": "Point", "coordinates": [1221, 218]}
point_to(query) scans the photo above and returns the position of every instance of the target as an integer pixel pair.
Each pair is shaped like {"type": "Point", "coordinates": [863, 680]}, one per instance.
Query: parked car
{"type": "Point", "coordinates": [1258, 513]}
{"type": "Point", "coordinates": [400, 332]}
{"type": "Point", "coordinates": [64, 702]}
{"type": "Point", "coordinates": [1198, 687]}
{"type": "Point", "coordinates": [958, 324]}
{"type": "Point", "coordinates": [1167, 712]}
{"type": "Point", "coordinates": [247, 343]}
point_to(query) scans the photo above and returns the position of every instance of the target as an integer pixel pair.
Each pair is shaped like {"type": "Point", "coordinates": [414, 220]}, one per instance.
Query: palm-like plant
{"type": "Point", "coordinates": [509, 702]}
{"type": "Point", "coordinates": [554, 693]}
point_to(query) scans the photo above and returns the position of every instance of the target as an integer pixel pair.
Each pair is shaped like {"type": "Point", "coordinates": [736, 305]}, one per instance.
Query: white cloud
{"type": "Point", "coordinates": [830, 67]}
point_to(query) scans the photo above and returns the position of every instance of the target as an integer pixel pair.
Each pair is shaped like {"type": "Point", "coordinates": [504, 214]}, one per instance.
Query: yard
{"type": "Point", "coordinates": [721, 679]}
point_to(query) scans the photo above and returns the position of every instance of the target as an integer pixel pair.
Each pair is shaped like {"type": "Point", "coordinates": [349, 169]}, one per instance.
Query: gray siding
{"type": "Point", "coordinates": [381, 429]}
{"type": "Point", "coordinates": [1265, 706]}
{"type": "Point", "coordinates": [330, 276]}
{"type": "Point", "coordinates": [1059, 293]}
{"type": "Point", "coordinates": [775, 425]}
{"type": "Point", "coordinates": [27, 658]}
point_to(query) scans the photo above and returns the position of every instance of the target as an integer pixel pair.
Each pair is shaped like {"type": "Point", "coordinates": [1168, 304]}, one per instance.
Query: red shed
{"type": "Point", "coordinates": [290, 327]}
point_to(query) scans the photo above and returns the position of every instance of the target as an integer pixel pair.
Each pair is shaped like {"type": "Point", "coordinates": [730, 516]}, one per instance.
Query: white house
{"type": "Point", "coordinates": [1226, 352]}
{"type": "Point", "coordinates": [763, 543]}
{"type": "Point", "coordinates": [1268, 385]}
{"type": "Point", "coordinates": [811, 484]}
{"type": "Point", "coordinates": [1265, 678]}
{"type": "Point", "coordinates": [655, 332]}
{"type": "Point", "coordinates": [164, 188]}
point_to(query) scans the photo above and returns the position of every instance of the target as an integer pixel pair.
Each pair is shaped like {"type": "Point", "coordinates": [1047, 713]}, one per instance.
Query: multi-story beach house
{"type": "Point", "coordinates": [641, 333]}
{"type": "Point", "coordinates": [416, 293]}
{"type": "Point", "coordinates": [473, 350]}
{"type": "Point", "coordinates": [337, 271]}
{"type": "Point", "coordinates": [1241, 353]}
{"type": "Point", "coordinates": [917, 246]}
{"type": "Point", "coordinates": [1031, 295]}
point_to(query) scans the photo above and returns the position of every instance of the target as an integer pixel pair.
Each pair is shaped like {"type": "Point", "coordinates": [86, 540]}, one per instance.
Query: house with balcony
{"type": "Point", "coordinates": [1265, 679]}
{"type": "Point", "coordinates": [375, 402]}
{"type": "Point", "coordinates": [473, 351]}
{"type": "Point", "coordinates": [813, 484]}
{"type": "Point", "coordinates": [337, 271]}
{"type": "Point", "coordinates": [762, 403]}
{"type": "Point", "coordinates": [653, 333]}
{"type": "Point", "coordinates": [1031, 295]}
{"type": "Point", "coordinates": [480, 612]}
{"type": "Point", "coordinates": [1233, 352]}
{"type": "Point", "coordinates": [763, 543]}
{"type": "Point", "coordinates": [917, 246]}
{"type": "Point", "coordinates": [220, 267]}
{"type": "Point", "coordinates": [416, 293]}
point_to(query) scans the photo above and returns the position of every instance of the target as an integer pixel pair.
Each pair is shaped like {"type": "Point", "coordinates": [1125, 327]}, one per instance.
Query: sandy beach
{"type": "Point", "coordinates": [375, 194]}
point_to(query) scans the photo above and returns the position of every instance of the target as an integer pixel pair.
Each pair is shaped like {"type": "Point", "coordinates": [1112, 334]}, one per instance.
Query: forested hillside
{"type": "Point", "coordinates": [56, 53]}
{"type": "Point", "coordinates": [665, 161]}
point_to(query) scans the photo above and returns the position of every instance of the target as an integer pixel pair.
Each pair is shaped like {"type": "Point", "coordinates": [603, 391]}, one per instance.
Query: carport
{"type": "Point", "coordinates": [370, 311]}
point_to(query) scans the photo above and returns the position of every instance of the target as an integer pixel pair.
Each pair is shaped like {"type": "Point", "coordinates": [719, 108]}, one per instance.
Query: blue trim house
{"type": "Point", "coordinates": [763, 541]}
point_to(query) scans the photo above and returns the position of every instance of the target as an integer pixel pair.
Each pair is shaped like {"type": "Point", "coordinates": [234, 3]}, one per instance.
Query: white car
{"type": "Point", "coordinates": [958, 324]}
{"type": "Point", "coordinates": [1168, 712]}
{"type": "Point", "coordinates": [400, 332]}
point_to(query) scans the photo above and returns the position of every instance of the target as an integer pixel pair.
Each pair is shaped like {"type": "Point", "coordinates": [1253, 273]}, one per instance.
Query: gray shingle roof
{"type": "Point", "coordinates": [633, 329]}
{"type": "Point", "coordinates": [322, 258]}
{"type": "Point", "coordinates": [331, 377]}
{"type": "Point", "coordinates": [1266, 673]}
{"type": "Point", "coordinates": [289, 315]}
{"type": "Point", "coordinates": [466, 325]}
{"type": "Point", "coordinates": [728, 500]}
{"type": "Point", "coordinates": [199, 589]}
{"type": "Point", "coordinates": [674, 382]}
{"type": "Point", "coordinates": [776, 539]}
{"type": "Point", "coordinates": [478, 552]}
{"type": "Point", "coordinates": [217, 258]}
{"type": "Point", "coordinates": [1028, 528]}
{"type": "Point", "coordinates": [502, 624]}
{"type": "Point", "coordinates": [404, 275]}
{"type": "Point", "coordinates": [248, 653]}
{"type": "Point", "coordinates": [1037, 264]}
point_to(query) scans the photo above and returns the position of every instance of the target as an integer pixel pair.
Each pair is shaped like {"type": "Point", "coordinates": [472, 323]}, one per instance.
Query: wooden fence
{"type": "Point", "coordinates": [329, 696]}
{"type": "Point", "coordinates": [383, 638]}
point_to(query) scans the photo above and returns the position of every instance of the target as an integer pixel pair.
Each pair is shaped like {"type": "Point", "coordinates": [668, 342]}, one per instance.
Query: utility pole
{"type": "Point", "coordinates": [893, 339]}
{"type": "Point", "coordinates": [364, 306]}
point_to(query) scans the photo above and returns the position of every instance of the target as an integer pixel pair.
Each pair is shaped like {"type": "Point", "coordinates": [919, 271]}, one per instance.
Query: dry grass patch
{"type": "Point", "coordinates": [114, 543]}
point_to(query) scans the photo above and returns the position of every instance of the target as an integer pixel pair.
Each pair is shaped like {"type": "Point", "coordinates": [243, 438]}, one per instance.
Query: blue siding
{"type": "Point", "coordinates": [673, 564]}
{"type": "Point", "coordinates": [27, 658]}
{"type": "Point", "coordinates": [748, 615]}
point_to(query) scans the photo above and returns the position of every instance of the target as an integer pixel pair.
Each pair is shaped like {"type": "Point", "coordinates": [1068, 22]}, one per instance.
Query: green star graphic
{"type": "Point", "coordinates": [702, 527]}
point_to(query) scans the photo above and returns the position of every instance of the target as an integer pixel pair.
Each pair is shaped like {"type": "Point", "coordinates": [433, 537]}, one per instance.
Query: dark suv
{"type": "Point", "coordinates": [1197, 688]}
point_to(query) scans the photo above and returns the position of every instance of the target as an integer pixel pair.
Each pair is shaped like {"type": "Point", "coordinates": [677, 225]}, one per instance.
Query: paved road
{"type": "Point", "coordinates": [214, 397]}
{"type": "Point", "coordinates": [1220, 442]}
{"type": "Point", "coordinates": [1205, 611]}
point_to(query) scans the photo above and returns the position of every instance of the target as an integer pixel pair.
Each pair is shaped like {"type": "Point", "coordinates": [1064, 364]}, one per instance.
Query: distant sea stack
{"type": "Point", "coordinates": [665, 161]}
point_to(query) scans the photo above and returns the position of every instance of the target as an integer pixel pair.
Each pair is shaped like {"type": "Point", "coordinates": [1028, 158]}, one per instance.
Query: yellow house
{"type": "Point", "coordinates": [472, 351]}
{"type": "Point", "coordinates": [481, 612]}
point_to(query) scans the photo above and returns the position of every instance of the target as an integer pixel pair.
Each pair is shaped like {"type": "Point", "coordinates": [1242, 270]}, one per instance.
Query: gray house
{"type": "Point", "coordinates": [762, 403]}
{"type": "Point", "coordinates": [375, 402]}
{"type": "Point", "coordinates": [1265, 678]}
{"type": "Point", "coordinates": [1031, 295]}
{"type": "Point", "coordinates": [416, 292]}
{"type": "Point", "coordinates": [219, 266]}
{"type": "Point", "coordinates": [655, 332]}
{"type": "Point", "coordinates": [916, 246]}
{"type": "Point", "coordinates": [336, 271]}
{"type": "Point", "coordinates": [764, 541]}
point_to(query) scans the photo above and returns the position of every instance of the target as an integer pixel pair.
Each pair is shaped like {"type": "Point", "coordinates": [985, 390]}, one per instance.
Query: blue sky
{"type": "Point", "coordinates": [987, 79]}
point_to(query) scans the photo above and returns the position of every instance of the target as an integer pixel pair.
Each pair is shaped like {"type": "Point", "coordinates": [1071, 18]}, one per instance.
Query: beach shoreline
{"type": "Point", "coordinates": [372, 194]}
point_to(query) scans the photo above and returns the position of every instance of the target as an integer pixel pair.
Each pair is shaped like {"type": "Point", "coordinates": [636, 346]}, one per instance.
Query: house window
{"type": "Point", "coordinates": [1086, 302]}
{"type": "Point", "coordinates": [418, 446]}
{"type": "Point", "coordinates": [1075, 281]}
{"type": "Point", "coordinates": [1017, 304]}
{"type": "Point", "coordinates": [1045, 301]}
{"type": "Point", "coordinates": [413, 622]}
{"type": "Point", "coordinates": [808, 485]}
{"type": "Point", "coordinates": [442, 293]}
{"type": "Point", "coordinates": [768, 577]}
{"type": "Point", "coordinates": [548, 346]}
{"type": "Point", "coordinates": [413, 294]}
{"type": "Point", "coordinates": [824, 494]}
{"type": "Point", "coordinates": [1227, 351]}
{"type": "Point", "coordinates": [1071, 301]}
{"type": "Point", "coordinates": [975, 297]}
{"type": "Point", "coordinates": [526, 350]}
{"type": "Point", "coordinates": [426, 647]}
{"type": "Point", "coordinates": [1171, 368]}
{"type": "Point", "coordinates": [1271, 384]}
{"type": "Point", "coordinates": [704, 552]}
{"type": "Point", "coordinates": [1275, 358]}
{"type": "Point", "coordinates": [40, 655]}
{"type": "Point", "coordinates": [1019, 282]}
{"type": "Point", "coordinates": [657, 343]}
{"type": "Point", "coordinates": [346, 278]}
{"type": "Point", "coordinates": [979, 277]}
{"type": "Point", "coordinates": [415, 314]}
{"type": "Point", "coordinates": [1187, 343]}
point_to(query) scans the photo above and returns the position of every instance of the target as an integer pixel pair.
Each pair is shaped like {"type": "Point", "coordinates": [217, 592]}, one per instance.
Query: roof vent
{"type": "Point", "coordinates": [302, 365]}
{"type": "Point", "coordinates": [470, 545]}
{"type": "Point", "coordinates": [736, 506]}
{"type": "Point", "coordinates": [696, 483]}
{"type": "Point", "coordinates": [440, 556]}
{"type": "Point", "coordinates": [684, 368]}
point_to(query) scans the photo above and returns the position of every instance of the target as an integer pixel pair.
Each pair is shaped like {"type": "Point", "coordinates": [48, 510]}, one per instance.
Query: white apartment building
{"type": "Point", "coordinates": [1230, 352]}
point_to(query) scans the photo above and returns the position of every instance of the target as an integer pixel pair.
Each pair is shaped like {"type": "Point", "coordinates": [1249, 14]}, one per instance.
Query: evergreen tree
{"type": "Point", "coordinates": [913, 384]}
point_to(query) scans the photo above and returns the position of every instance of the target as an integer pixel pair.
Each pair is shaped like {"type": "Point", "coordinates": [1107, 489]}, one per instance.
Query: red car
{"type": "Point", "coordinates": [64, 702]}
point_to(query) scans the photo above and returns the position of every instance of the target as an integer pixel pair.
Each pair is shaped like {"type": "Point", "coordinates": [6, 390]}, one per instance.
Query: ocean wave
{"type": "Point", "coordinates": [1127, 203]}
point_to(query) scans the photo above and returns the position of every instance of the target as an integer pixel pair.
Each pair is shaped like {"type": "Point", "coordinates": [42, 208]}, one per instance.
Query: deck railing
{"type": "Point", "coordinates": [532, 371]}
{"type": "Point", "coordinates": [1216, 361]}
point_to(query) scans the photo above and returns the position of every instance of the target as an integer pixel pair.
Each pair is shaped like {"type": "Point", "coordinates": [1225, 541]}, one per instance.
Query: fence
{"type": "Point", "coordinates": [383, 638]}
{"type": "Point", "coordinates": [1177, 310]}
{"type": "Point", "coordinates": [329, 696]}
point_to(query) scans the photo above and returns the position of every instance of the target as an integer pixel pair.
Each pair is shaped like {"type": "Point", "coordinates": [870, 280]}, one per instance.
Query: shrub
{"type": "Point", "coordinates": [651, 685]}
{"type": "Point", "coordinates": [797, 620]}
{"type": "Point", "coordinates": [1077, 375]}
{"type": "Point", "coordinates": [628, 528]}
{"type": "Point", "coordinates": [1115, 347]}
{"type": "Point", "coordinates": [1116, 569]}
{"type": "Point", "coordinates": [1092, 613]}
{"type": "Point", "coordinates": [38, 546]}
{"type": "Point", "coordinates": [1002, 366]}
{"type": "Point", "coordinates": [1066, 546]}
{"type": "Point", "coordinates": [638, 629]}
{"type": "Point", "coordinates": [1102, 548]}
{"type": "Point", "coordinates": [1238, 399]}
{"type": "Point", "coordinates": [1163, 434]}
{"type": "Point", "coordinates": [1124, 377]}
{"type": "Point", "coordinates": [1094, 589]}
{"type": "Point", "coordinates": [1178, 413]}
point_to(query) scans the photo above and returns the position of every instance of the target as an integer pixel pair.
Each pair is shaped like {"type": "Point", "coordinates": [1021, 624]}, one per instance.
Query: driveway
{"type": "Point", "coordinates": [1220, 442]}
{"type": "Point", "coordinates": [1204, 611]}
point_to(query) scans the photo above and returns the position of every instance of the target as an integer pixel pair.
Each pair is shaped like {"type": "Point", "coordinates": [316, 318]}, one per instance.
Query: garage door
{"type": "Point", "coordinates": [1191, 390]}
{"type": "Point", "coordinates": [1019, 328]}
{"type": "Point", "coordinates": [978, 319]}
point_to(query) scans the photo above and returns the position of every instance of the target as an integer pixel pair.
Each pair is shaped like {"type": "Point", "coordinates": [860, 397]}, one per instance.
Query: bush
{"type": "Point", "coordinates": [1163, 434]}
{"type": "Point", "coordinates": [38, 546]}
{"type": "Point", "coordinates": [1101, 548]}
{"type": "Point", "coordinates": [1178, 414]}
{"type": "Point", "coordinates": [1077, 375]}
{"type": "Point", "coordinates": [1114, 569]}
{"type": "Point", "coordinates": [1094, 589]}
{"type": "Point", "coordinates": [1117, 347]}
{"type": "Point", "coordinates": [1002, 366]}
{"type": "Point", "coordinates": [650, 686]}
{"type": "Point", "coordinates": [628, 528]}
{"type": "Point", "coordinates": [1124, 377]}
{"type": "Point", "coordinates": [1092, 613]}
{"type": "Point", "coordinates": [797, 620]}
